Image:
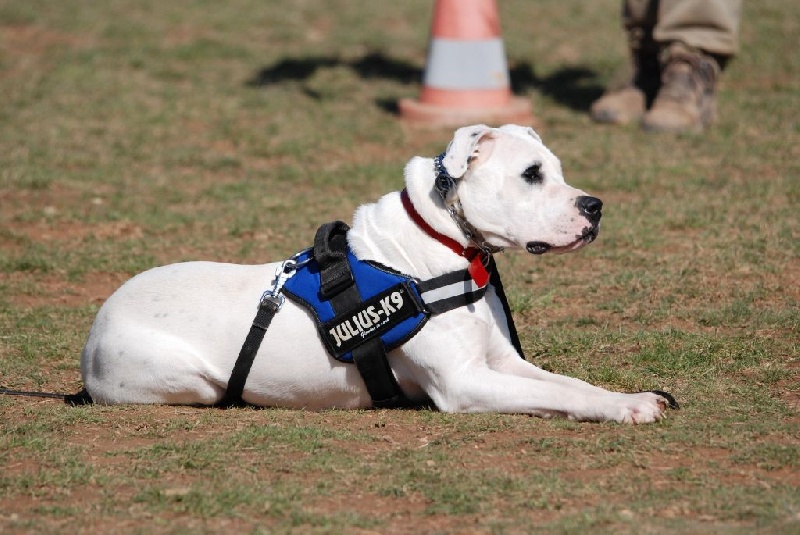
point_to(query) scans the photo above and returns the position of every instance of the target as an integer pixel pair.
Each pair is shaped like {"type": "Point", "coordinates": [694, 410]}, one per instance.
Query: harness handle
{"type": "Point", "coordinates": [330, 252]}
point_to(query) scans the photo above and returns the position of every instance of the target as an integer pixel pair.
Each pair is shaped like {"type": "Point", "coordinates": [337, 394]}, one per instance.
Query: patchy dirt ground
{"type": "Point", "coordinates": [117, 443]}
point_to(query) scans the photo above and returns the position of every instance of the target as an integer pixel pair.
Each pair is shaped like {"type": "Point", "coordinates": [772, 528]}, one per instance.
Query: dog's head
{"type": "Point", "coordinates": [511, 189]}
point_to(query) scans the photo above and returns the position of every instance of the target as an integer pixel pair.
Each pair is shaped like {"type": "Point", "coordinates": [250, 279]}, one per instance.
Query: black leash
{"type": "Point", "coordinates": [233, 395]}
{"type": "Point", "coordinates": [80, 398]}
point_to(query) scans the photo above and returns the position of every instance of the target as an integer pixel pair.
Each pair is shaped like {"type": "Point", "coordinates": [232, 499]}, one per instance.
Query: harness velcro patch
{"type": "Point", "coordinates": [373, 317]}
{"type": "Point", "coordinates": [388, 306]}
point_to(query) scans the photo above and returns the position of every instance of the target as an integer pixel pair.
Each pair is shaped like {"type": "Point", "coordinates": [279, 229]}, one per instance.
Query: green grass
{"type": "Point", "coordinates": [142, 133]}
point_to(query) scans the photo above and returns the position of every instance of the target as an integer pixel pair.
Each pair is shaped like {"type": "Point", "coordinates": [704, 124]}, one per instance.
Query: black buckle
{"type": "Point", "coordinates": [335, 283]}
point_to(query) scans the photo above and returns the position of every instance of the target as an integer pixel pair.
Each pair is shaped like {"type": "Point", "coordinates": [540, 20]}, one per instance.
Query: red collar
{"type": "Point", "coordinates": [477, 258]}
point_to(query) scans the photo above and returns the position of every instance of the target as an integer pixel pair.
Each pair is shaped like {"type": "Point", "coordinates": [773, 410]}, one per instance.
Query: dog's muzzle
{"type": "Point", "coordinates": [589, 207]}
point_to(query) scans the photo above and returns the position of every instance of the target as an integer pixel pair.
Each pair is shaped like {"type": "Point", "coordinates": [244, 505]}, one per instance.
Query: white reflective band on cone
{"type": "Point", "coordinates": [457, 64]}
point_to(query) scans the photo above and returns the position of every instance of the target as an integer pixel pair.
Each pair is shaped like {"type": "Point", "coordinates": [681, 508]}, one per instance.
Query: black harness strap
{"type": "Point", "coordinates": [495, 281]}
{"type": "Point", "coordinates": [465, 293]}
{"type": "Point", "coordinates": [233, 395]}
{"type": "Point", "coordinates": [338, 286]}
{"type": "Point", "coordinates": [373, 365]}
{"type": "Point", "coordinates": [462, 292]}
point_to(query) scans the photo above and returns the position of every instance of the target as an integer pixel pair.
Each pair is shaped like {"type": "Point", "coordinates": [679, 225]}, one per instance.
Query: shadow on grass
{"type": "Point", "coordinates": [575, 87]}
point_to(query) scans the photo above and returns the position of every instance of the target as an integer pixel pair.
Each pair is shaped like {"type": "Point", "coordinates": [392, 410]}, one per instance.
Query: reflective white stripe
{"type": "Point", "coordinates": [457, 64]}
{"type": "Point", "coordinates": [451, 290]}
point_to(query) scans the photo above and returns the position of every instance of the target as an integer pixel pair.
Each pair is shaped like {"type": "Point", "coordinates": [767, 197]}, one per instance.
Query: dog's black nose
{"type": "Point", "coordinates": [591, 207]}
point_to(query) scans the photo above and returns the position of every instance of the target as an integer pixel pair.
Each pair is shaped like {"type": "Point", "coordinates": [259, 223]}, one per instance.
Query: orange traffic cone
{"type": "Point", "coordinates": [466, 74]}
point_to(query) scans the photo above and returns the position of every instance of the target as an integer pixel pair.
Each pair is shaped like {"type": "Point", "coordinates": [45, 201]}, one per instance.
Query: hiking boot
{"type": "Point", "coordinates": [621, 106]}
{"type": "Point", "coordinates": [627, 101]}
{"type": "Point", "coordinates": [685, 102]}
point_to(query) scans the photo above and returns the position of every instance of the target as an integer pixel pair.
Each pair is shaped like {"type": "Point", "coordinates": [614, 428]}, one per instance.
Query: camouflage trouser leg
{"type": "Point", "coordinates": [677, 49]}
{"type": "Point", "coordinates": [708, 25]}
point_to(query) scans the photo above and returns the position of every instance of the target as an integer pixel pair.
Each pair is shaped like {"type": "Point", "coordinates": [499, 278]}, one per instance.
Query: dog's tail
{"type": "Point", "coordinates": [79, 398]}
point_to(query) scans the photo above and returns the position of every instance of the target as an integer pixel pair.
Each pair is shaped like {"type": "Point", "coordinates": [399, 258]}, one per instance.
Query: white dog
{"type": "Point", "coordinates": [172, 334]}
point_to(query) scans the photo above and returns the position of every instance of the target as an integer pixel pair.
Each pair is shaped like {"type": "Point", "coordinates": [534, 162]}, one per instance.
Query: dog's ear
{"type": "Point", "coordinates": [521, 131]}
{"type": "Point", "coordinates": [462, 149]}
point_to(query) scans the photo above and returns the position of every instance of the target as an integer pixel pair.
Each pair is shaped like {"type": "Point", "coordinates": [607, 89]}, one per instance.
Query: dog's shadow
{"type": "Point", "coordinates": [575, 87]}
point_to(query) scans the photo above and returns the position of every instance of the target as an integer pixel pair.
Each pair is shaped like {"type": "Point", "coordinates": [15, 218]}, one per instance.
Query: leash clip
{"type": "Point", "coordinates": [273, 297]}
{"type": "Point", "coordinates": [270, 300]}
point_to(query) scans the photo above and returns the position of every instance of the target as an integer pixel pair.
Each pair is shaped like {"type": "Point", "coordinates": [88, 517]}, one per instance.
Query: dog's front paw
{"type": "Point", "coordinates": [643, 408]}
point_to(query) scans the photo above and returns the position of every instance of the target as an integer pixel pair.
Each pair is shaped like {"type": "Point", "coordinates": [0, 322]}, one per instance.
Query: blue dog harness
{"type": "Point", "coordinates": [392, 307]}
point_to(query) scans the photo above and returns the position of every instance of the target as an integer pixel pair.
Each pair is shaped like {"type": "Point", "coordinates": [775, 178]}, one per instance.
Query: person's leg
{"type": "Point", "coordinates": [708, 25]}
{"type": "Point", "coordinates": [696, 38]}
{"type": "Point", "coordinates": [629, 95]}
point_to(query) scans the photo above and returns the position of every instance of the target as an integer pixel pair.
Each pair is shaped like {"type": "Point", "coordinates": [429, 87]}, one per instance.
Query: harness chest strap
{"type": "Point", "coordinates": [338, 285]}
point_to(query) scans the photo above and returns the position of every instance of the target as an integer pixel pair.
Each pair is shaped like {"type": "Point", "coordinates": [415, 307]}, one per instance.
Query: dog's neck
{"type": "Point", "coordinates": [384, 232]}
{"type": "Point", "coordinates": [479, 258]}
{"type": "Point", "coordinates": [444, 185]}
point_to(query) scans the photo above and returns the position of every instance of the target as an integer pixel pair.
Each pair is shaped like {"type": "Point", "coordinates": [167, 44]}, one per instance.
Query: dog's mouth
{"type": "Point", "coordinates": [586, 237]}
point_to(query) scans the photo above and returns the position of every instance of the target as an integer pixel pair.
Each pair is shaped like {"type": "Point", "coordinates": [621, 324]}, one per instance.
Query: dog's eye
{"type": "Point", "coordinates": [533, 174]}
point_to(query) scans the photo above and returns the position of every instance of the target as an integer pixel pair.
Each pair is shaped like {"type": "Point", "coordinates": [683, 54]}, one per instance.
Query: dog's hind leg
{"type": "Point", "coordinates": [149, 368]}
